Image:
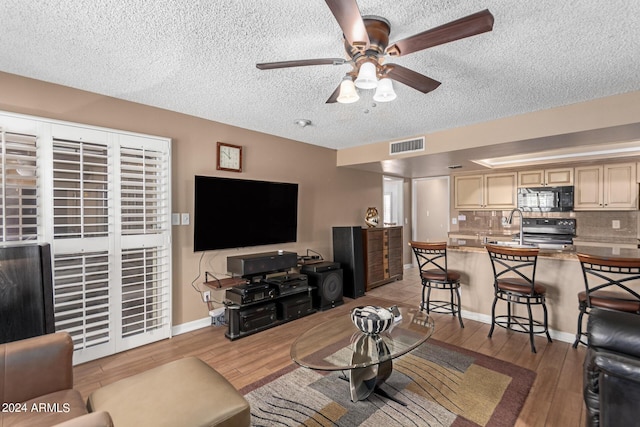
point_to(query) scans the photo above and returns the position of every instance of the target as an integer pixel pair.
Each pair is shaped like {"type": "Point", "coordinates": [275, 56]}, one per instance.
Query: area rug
{"type": "Point", "coordinates": [441, 384]}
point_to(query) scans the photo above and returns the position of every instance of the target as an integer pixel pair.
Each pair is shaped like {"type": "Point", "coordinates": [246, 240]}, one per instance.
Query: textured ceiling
{"type": "Point", "coordinates": [198, 58]}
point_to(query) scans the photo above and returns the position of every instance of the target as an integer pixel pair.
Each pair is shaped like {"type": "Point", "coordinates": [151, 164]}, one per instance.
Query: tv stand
{"type": "Point", "coordinates": [272, 296]}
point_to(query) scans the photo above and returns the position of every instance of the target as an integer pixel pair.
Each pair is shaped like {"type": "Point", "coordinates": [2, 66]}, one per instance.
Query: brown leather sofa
{"type": "Point", "coordinates": [36, 385]}
{"type": "Point", "coordinates": [612, 368]}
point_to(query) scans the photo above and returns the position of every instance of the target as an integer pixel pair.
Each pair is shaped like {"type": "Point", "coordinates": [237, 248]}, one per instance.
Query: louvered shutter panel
{"type": "Point", "coordinates": [80, 190]}
{"type": "Point", "coordinates": [145, 256]}
{"type": "Point", "coordinates": [143, 181]}
{"type": "Point", "coordinates": [19, 187]}
{"type": "Point", "coordinates": [82, 297]}
{"type": "Point", "coordinates": [145, 294]}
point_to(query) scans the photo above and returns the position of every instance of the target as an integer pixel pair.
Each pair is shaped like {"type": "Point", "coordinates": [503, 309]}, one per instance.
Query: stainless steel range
{"type": "Point", "coordinates": [548, 232]}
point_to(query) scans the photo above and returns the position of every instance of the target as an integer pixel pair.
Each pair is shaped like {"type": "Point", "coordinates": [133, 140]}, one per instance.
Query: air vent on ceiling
{"type": "Point", "coordinates": [408, 146]}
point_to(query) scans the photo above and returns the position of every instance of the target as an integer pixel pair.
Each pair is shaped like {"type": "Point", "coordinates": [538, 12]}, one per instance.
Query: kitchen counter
{"type": "Point", "coordinates": [604, 249]}
{"type": "Point", "coordinates": [558, 269]}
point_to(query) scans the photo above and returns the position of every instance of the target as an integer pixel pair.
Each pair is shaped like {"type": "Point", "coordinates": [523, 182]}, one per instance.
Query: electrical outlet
{"type": "Point", "coordinates": [615, 224]}
{"type": "Point", "coordinates": [206, 296]}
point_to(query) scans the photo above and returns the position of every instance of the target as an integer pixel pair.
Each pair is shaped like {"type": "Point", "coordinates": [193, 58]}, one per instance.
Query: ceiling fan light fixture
{"type": "Point", "coordinates": [384, 91]}
{"type": "Point", "coordinates": [348, 93]}
{"type": "Point", "coordinates": [367, 76]}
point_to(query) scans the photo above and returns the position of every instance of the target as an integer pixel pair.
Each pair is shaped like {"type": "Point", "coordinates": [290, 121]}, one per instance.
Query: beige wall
{"type": "Point", "coordinates": [328, 196]}
{"type": "Point", "coordinates": [599, 113]}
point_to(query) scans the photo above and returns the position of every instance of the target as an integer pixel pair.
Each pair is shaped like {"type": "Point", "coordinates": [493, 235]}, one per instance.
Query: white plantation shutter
{"type": "Point", "coordinates": [143, 181]}
{"type": "Point", "coordinates": [145, 297]}
{"type": "Point", "coordinates": [101, 198]}
{"type": "Point", "coordinates": [145, 256]}
{"type": "Point", "coordinates": [82, 297]}
{"type": "Point", "coordinates": [18, 187]}
{"type": "Point", "coordinates": [80, 189]}
{"type": "Point", "coordinates": [83, 233]}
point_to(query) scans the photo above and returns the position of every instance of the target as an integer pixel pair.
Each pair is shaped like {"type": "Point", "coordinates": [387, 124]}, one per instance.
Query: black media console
{"type": "Point", "coordinates": [272, 295]}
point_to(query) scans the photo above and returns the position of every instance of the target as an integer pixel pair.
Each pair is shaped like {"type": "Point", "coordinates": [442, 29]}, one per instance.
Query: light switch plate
{"type": "Point", "coordinates": [175, 219]}
{"type": "Point", "coordinates": [185, 219]}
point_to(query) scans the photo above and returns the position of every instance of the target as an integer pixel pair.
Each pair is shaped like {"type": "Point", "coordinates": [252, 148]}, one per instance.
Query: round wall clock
{"type": "Point", "coordinates": [229, 157]}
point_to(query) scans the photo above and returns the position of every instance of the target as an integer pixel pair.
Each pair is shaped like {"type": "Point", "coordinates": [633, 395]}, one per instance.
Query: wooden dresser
{"type": "Point", "coordinates": [382, 250]}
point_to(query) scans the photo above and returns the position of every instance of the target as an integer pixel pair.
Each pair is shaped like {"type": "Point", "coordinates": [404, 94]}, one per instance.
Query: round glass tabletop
{"type": "Point", "coordinates": [338, 344]}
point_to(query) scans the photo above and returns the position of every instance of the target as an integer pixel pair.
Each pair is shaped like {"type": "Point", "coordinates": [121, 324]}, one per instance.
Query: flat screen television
{"type": "Point", "coordinates": [235, 213]}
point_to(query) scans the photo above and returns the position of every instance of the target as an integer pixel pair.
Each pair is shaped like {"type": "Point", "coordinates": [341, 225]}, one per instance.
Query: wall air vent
{"type": "Point", "coordinates": [407, 146]}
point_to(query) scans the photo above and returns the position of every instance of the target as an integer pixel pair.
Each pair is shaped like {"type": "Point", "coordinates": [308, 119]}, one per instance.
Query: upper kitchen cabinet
{"type": "Point", "coordinates": [607, 187]}
{"type": "Point", "coordinates": [546, 177]}
{"type": "Point", "coordinates": [489, 191]}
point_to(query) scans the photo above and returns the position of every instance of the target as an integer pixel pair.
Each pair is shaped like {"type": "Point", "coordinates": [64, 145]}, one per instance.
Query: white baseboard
{"type": "Point", "coordinates": [485, 318]}
{"type": "Point", "coordinates": [191, 326]}
{"type": "Point", "coordinates": [479, 317]}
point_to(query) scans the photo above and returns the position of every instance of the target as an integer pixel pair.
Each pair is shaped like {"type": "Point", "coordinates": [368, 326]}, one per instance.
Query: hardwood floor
{"type": "Point", "coordinates": [555, 398]}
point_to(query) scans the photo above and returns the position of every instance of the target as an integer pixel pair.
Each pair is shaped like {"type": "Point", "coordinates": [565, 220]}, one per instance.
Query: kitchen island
{"type": "Point", "coordinates": [558, 269]}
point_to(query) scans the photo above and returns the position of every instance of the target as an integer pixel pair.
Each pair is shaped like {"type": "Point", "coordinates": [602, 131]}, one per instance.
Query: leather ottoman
{"type": "Point", "coordinates": [186, 392]}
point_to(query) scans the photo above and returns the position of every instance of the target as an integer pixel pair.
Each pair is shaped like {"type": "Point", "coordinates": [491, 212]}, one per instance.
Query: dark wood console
{"type": "Point", "coordinates": [382, 255]}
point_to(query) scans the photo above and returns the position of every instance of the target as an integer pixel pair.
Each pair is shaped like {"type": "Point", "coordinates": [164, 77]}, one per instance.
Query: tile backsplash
{"type": "Point", "coordinates": [596, 225]}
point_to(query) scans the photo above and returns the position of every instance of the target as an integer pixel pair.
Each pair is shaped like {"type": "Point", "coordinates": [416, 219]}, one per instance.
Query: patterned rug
{"type": "Point", "coordinates": [442, 385]}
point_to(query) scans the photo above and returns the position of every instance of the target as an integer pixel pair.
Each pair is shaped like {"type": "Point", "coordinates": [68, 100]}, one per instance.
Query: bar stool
{"type": "Point", "coordinates": [607, 285]}
{"type": "Point", "coordinates": [514, 271]}
{"type": "Point", "coordinates": [434, 273]}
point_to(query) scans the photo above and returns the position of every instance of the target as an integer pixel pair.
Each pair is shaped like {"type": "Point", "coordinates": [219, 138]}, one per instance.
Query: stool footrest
{"type": "Point", "coordinates": [520, 324]}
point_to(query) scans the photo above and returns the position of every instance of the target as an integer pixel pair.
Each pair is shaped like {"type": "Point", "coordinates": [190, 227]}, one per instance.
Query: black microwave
{"type": "Point", "coordinates": [545, 199]}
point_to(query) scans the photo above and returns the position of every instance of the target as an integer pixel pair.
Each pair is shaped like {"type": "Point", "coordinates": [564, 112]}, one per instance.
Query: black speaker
{"type": "Point", "coordinates": [267, 262]}
{"type": "Point", "coordinates": [328, 284]}
{"type": "Point", "coordinates": [347, 250]}
{"type": "Point", "coordinates": [26, 292]}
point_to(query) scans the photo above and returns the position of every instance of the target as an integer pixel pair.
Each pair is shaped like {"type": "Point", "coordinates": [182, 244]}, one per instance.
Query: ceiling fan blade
{"type": "Point", "coordinates": [350, 20]}
{"type": "Point", "coordinates": [334, 96]}
{"type": "Point", "coordinates": [410, 78]}
{"type": "Point", "coordinates": [300, 63]}
{"type": "Point", "coordinates": [468, 26]}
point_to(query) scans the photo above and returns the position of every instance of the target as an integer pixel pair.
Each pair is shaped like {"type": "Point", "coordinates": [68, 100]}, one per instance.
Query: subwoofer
{"type": "Point", "coordinates": [328, 284]}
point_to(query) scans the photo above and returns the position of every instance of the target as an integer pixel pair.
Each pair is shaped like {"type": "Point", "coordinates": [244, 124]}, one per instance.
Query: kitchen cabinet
{"type": "Point", "coordinates": [487, 191]}
{"type": "Point", "coordinates": [606, 187]}
{"type": "Point", "coordinates": [546, 177]}
{"type": "Point", "coordinates": [382, 255]}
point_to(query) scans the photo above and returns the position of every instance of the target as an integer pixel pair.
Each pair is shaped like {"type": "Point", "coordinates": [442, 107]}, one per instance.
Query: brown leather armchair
{"type": "Point", "coordinates": [612, 368]}
{"type": "Point", "coordinates": [36, 385]}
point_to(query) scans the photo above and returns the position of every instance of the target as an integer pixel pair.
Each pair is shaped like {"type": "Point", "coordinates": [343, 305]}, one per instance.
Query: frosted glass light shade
{"type": "Point", "coordinates": [367, 76]}
{"type": "Point", "coordinates": [384, 92]}
{"type": "Point", "coordinates": [348, 93]}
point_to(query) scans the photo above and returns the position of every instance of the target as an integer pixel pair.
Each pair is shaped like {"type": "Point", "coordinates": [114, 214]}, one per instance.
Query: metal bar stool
{"type": "Point", "coordinates": [434, 273]}
{"type": "Point", "coordinates": [607, 284]}
{"type": "Point", "coordinates": [514, 282]}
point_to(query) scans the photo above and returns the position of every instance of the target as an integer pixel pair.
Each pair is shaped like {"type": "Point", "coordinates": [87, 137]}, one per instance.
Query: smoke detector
{"type": "Point", "coordinates": [303, 123]}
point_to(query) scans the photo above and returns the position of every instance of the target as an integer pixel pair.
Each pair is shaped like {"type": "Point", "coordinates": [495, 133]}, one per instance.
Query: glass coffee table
{"type": "Point", "coordinates": [338, 345]}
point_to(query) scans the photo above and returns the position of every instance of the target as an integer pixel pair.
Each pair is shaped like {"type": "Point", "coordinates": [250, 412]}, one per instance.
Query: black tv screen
{"type": "Point", "coordinates": [235, 213]}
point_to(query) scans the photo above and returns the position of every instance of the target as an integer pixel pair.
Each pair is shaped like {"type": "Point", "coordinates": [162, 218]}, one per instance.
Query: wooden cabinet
{"type": "Point", "coordinates": [488, 191]}
{"type": "Point", "coordinates": [607, 187]}
{"type": "Point", "coordinates": [546, 177]}
{"type": "Point", "coordinates": [382, 249]}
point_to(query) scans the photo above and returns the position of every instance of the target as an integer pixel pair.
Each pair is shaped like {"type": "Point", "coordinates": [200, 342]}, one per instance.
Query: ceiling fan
{"type": "Point", "coordinates": [367, 43]}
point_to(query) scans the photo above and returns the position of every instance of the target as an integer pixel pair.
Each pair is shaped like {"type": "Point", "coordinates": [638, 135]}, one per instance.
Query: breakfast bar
{"type": "Point", "coordinates": [558, 269]}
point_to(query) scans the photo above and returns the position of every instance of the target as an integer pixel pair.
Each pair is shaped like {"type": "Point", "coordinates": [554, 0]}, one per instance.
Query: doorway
{"type": "Point", "coordinates": [430, 209]}
{"type": "Point", "coordinates": [392, 212]}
